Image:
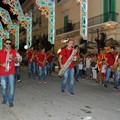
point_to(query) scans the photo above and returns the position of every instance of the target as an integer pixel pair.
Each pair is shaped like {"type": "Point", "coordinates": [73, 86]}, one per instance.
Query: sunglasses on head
{"type": "Point", "coordinates": [8, 43]}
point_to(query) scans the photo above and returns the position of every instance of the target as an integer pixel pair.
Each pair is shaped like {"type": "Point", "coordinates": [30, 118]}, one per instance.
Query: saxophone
{"type": "Point", "coordinates": [32, 57]}
{"type": "Point", "coordinates": [68, 62]}
{"type": "Point", "coordinates": [7, 67]}
{"type": "Point", "coordinates": [45, 61]}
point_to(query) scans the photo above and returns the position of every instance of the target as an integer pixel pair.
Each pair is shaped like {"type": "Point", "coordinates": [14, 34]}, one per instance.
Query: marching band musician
{"type": "Point", "coordinates": [7, 71]}
{"type": "Point", "coordinates": [29, 58]}
{"type": "Point", "coordinates": [34, 63]}
{"type": "Point", "coordinates": [110, 61]}
{"type": "Point", "coordinates": [42, 66]}
{"type": "Point", "coordinates": [50, 57]}
{"type": "Point", "coordinates": [63, 56]}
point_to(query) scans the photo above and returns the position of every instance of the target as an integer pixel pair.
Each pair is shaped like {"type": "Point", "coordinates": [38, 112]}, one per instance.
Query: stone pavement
{"type": "Point", "coordinates": [34, 101]}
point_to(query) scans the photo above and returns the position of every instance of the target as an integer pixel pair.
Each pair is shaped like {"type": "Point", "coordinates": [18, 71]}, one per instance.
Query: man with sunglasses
{"type": "Point", "coordinates": [7, 71]}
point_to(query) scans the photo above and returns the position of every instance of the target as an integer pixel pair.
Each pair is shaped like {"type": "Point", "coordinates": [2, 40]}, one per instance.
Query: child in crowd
{"type": "Point", "coordinates": [103, 71]}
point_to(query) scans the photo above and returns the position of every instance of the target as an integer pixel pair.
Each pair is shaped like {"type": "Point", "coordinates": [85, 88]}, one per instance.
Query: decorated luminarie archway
{"type": "Point", "coordinates": [3, 35]}
{"type": "Point", "coordinates": [47, 8]}
{"type": "Point", "coordinates": [83, 18]}
{"type": "Point", "coordinates": [14, 28]}
{"type": "Point", "coordinates": [25, 20]}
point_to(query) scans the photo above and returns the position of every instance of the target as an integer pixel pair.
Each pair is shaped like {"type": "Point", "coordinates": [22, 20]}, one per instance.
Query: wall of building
{"type": "Point", "coordinates": [70, 8]}
{"type": "Point", "coordinates": [95, 8]}
{"type": "Point", "coordinates": [39, 22]}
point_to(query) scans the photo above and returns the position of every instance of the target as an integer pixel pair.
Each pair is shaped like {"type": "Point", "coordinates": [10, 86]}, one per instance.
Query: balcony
{"type": "Point", "coordinates": [107, 18]}
{"type": "Point", "coordinates": [110, 17]}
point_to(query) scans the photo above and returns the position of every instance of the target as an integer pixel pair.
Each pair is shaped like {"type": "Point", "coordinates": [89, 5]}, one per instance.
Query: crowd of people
{"type": "Point", "coordinates": [100, 67]}
{"type": "Point", "coordinates": [40, 63]}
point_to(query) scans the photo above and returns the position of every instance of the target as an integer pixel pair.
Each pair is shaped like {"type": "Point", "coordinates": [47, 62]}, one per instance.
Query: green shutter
{"type": "Point", "coordinates": [106, 9]}
{"type": "Point", "coordinates": [65, 23]}
{"type": "Point", "coordinates": [113, 10]}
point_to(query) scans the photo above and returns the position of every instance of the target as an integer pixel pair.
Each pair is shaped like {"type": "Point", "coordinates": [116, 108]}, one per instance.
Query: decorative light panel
{"type": "Point", "coordinates": [3, 35]}
{"type": "Point", "coordinates": [7, 20]}
{"type": "Point", "coordinates": [84, 18]}
{"type": "Point", "coordinates": [47, 8]}
{"type": "Point", "coordinates": [25, 20]}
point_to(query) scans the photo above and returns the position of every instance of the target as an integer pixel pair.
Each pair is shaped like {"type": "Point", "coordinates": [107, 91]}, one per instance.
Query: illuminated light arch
{"type": "Point", "coordinates": [83, 18]}
{"type": "Point", "coordinates": [7, 20]}
{"type": "Point", "coordinates": [3, 35]}
{"type": "Point", "coordinates": [47, 8]}
{"type": "Point", "coordinates": [25, 20]}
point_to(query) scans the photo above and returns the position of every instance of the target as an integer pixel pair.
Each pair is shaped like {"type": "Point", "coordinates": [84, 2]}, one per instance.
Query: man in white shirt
{"type": "Point", "coordinates": [17, 66]}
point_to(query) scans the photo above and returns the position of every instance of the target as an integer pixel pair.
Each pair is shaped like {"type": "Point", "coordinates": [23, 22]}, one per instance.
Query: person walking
{"type": "Point", "coordinates": [7, 72]}
{"type": "Point", "coordinates": [111, 60]}
{"type": "Point", "coordinates": [50, 56]}
{"type": "Point", "coordinates": [42, 66]}
{"type": "Point", "coordinates": [69, 73]}
{"type": "Point", "coordinates": [17, 66]}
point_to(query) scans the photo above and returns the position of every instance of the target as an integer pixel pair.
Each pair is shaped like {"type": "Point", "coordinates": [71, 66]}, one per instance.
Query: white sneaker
{"type": "Point", "coordinates": [18, 80]}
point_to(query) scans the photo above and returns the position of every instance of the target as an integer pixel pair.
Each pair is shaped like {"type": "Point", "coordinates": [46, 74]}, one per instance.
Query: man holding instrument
{"type": "Point", "coordinates": [111, 60]}
{"type": "Point", "coordinates": [7, 71]}
{"type": "Point", "coordinates": [69, 72]}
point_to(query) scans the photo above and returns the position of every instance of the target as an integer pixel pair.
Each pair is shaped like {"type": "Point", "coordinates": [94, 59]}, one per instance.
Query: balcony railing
{"type": "Point", "coordinates": [110, 16]}
{"type": "Point", "coordinates": [106, 17]}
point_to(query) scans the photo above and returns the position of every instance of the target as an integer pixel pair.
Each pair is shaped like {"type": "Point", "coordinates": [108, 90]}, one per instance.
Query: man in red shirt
{"type": "Point", "coordinates": [41, 60]}
{"type": "Point", "coordinates": [7, 71]}
{"type": "Point", "coordinates": [50, 57]}
{"type": "Point", "coordinates": [63, 57]}
{"type": "Point", "coordinates": [110, 60]}
{"type": "Point", "coordinates": [30, 57]}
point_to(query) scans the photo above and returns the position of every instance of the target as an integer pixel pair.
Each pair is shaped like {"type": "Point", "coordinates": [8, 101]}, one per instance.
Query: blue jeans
{"type": "Point", "coordinates": [36, 66]}
{"type": "Point", "coordinates": [108, 73]}
{"type": "Point", "coordinates": [81, 72]}
{"type": "Point", "coordinates": [34, 69]}
{"type": "Point", "coordinates": [50, 67]}
{"type": "Point", "coordinates": [30, 69]}
{"type": "Point", "coordinates": [68, 73]}
{"type": "Point", "coordinates": [77, 72]}
{"type": "Point", "coordinates": [8, 87]}
{"type": "Point", "coordinates": [17, 74]}
{"type": "Point", "coordinates": [42, 69]}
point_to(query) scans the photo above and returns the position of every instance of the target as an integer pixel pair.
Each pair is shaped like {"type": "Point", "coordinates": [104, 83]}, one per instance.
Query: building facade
{"type": "Point", "coordinates": [39, 22]}
{"type": "Point", "coordinates": [103, 16]}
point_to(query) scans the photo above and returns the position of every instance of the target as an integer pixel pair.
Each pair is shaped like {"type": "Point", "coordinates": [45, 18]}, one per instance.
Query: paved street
{"type": "Point", "coordinates": [34, 101]}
